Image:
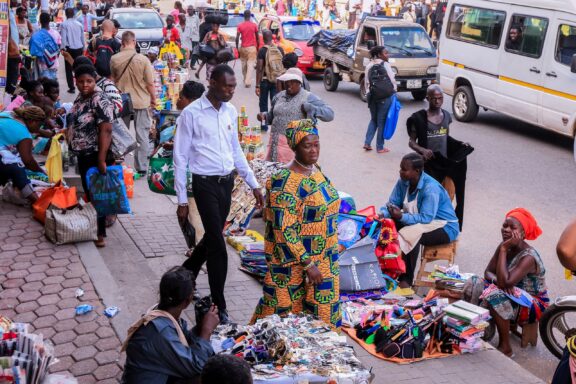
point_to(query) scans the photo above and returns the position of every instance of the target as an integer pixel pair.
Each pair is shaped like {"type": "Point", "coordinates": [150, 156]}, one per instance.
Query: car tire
{"type": "Point", "coordinates": [363, 91]}
{"type": "Point", "coordinates": [419, 95]}
{"type": "Point", "coordinates": [464, 104]}
{"type": "Point", "coordinates": [331, 80]}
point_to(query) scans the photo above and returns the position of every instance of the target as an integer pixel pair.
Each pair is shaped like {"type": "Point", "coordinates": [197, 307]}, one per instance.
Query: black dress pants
{"type": "Point", "coordinates": [436, 237]}
{"type": "Point", "coordinates": [69, 76]}
{"type": "Point", "coordinates": [213, 195]}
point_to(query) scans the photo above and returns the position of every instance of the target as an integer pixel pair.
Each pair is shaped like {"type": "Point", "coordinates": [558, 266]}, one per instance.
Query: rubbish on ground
{"type": "Point", "coordinates": [111, 311]}
{"type": "Point", "coordinates": [82, 309]}
{"type": "Point", "coordinates": [79, 293]}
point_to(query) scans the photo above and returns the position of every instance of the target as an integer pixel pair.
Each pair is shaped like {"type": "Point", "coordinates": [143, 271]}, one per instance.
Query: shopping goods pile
{"type": "Point", "coordinates": [449, 278]}
{"type": "Point", "coordinates": [467, 322]}
{"type": "Point", "coordinates": [292, 349]}
{"type": "Point", "coordinates": [250, 138]}
{"type": "Point", "coordinates": [243, 202]}
{"type": "Point", "coordinates": [251, 249]}
{"type": "Point", "coordinates": [335, 40]}
{"type": "Point", "coordinates": [405, 330]}
{"type": "Point", "coordinates": [24, 356]}
{"type": "Point", "coordinates": [168, 81]}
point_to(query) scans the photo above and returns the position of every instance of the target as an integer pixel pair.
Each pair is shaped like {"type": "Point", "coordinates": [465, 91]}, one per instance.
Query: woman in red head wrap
{"type": "Point", "coordinates": [515, 269]}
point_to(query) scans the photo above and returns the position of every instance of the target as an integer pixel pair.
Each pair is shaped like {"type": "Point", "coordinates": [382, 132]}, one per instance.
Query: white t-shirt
{"type": "Point", "coordinates": [367, 5]}
{"type": "Point", "coordinates": [353, 4]}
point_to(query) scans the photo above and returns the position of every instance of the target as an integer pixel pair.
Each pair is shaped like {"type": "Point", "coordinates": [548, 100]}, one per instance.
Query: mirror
{"type": "Point", "coordinates": [370, 44]}
{"type": "Point", "coordinates": [573, 64]}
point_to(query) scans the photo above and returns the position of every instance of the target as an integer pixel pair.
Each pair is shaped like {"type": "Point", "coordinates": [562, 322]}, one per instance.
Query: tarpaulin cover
{"type": "Point", "coordinates": [337, 40]}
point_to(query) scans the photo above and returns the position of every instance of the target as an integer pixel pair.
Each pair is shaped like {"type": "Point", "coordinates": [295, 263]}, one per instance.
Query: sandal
{"type": "Point", "coordinates": [100, 243]}
{"type": "Point", "coordinates": [367, 147]}
{"type": "Point", "coordinates": [383, 150]}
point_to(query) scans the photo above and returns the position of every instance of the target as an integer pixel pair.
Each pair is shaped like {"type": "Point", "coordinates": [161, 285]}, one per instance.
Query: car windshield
{"type": "Point", "coordinates": [300, 30]}
{"type": "Point", "coordinates": [407, 40]}
{"type": "Point", "coordinates": [234, 20]}
{"type": "Point", "coordinates": [138, 20]}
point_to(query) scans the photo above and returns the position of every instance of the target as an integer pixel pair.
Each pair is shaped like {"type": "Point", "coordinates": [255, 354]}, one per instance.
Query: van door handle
{"type": "Point", "coordinates": [551, 74]}
{"type": "Point", "coordinates": [535, 70]}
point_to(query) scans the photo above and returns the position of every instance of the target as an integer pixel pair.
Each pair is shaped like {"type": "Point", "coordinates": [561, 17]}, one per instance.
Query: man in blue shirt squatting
{"type": "Point", "coordinates": [422, 211]}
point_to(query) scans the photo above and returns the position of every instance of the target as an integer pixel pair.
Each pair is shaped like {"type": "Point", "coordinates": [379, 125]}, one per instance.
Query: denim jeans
{"type": "Point", "coordinates": [267, 91]}
{"type": "Point", "coordinates": [378, 114]}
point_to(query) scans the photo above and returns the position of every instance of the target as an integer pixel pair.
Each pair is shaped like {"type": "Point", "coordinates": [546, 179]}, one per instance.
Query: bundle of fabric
{"type": "Point", "coordinates": [336, 40]}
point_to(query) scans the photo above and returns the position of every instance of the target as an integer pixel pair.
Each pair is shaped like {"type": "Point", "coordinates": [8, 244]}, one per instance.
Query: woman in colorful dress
{"type": "Point", "coordinates": [515, 266]}
{"type": "Point", "coordinates": [301, 241]}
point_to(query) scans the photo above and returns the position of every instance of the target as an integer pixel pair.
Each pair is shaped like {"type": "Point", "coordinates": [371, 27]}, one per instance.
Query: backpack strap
{"type": "Point", "coordinates": [126, 67]}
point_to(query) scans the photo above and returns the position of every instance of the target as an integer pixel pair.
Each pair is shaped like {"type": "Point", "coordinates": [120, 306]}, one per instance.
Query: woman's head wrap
{"type": "Point", "coordinates": [30, 113]}
{"type": "Point", "coordinates": [528, 222]}
{"type": "Point", "coordinates": [298, 130]}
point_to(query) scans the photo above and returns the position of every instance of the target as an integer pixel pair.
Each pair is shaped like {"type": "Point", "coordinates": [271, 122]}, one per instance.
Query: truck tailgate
{"type": "Point", "coordinates": [333, 56]}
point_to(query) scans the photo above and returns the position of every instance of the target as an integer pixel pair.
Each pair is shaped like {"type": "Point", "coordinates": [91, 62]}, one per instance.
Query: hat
{"type": "Point", "coordinates": [154, 50]}
{"type": "Point", "coordinates": [528, 222]}
{"type": "Point", "coordinates": [291, 74]}
{"type": "Point", "coordinates": [298, 130]}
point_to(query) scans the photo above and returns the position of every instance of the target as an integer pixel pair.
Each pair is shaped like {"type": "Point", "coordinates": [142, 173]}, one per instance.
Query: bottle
{"type": "Point", "coordinates": [241, 124]}
{"type": "Point", "coordinates": [128, 174]}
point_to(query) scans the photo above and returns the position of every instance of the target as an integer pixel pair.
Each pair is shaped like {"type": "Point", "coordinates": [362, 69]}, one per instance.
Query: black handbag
{"type": "Point", "coordinates": [127, 106]}
{"type": "Point", "coordinates": [206, 52]}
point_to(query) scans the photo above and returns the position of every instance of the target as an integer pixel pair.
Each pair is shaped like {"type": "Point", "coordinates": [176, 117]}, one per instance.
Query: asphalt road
{"type": "Point", "coordinates": [513, 165]}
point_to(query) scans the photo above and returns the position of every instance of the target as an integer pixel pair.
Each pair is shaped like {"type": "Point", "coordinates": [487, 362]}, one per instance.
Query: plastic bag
{"type": "Point", "coordinates": [392, 118]}
{"type": "Point", "coordinates": [40, 146]}
{"type": "Point", "coordinates": [58, 195]}
{"type": "Point", "coordinates": [54, 160]}
{"type": "Point", "coordinates": [167, 134]}
{"type": "Point", "coordinates": [108, 192]}
{"type": "Point", "coordinates": [161, 176]}
{"type": "Point", "coordinates": [122, 141]}
{"type": "Point", "coordinates": [189, 233]}
{"type": "Point", "coordinates": [172, 49]}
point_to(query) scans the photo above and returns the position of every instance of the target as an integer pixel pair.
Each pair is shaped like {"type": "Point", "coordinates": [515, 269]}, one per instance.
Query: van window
{"type": "Point", "coordinates": [476, 25]}
{"type": "Point", "coordinates": [368, 33]}
{"type": "Point", "coordinates": [526, 35]}
{"type": "Point", "coordinates": [566, 46]}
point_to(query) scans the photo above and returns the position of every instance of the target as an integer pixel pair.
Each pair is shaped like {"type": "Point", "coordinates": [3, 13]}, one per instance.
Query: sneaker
{"type": "Point", "coordinates": [224, 317]}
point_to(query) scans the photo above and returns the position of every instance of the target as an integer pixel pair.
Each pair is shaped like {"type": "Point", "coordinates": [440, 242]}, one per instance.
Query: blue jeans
{"type": "Point", "coordinates": [267, 91]}
{"type": "Point", "coordinates": [378, 114]}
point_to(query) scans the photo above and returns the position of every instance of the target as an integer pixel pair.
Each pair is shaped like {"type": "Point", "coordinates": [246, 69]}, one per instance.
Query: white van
{"type": "Point", "coordinates": [515, 57]}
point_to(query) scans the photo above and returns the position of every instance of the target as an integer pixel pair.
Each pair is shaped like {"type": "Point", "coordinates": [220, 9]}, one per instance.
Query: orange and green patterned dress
{"type": "Point", "coordinates": [301, 217]}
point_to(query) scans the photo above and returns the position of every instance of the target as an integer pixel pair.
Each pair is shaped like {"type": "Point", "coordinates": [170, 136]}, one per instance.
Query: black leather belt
{"type": "Point", "coordinates": [218, 179]}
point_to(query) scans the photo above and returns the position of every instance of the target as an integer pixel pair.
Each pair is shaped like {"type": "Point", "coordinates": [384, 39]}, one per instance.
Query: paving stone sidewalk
{"type": "Point", "coordinates": [38, 282]}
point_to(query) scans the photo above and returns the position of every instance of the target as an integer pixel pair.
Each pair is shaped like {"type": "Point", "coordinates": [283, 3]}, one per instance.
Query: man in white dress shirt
{"type": "Point", "coordinates": [207, 144]}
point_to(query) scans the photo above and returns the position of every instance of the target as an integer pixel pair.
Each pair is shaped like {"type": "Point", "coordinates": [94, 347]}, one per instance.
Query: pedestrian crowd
{"type": "Point", "coordinates": [299, 203]}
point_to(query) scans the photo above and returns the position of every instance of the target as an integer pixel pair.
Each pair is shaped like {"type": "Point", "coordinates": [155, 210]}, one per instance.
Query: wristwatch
{"type": "Point", "coordinates": [183, 205]}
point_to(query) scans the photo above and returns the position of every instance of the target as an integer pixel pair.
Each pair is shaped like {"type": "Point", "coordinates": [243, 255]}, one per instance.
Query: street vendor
{"type": "Point", "coordinates": [429, 131]}
{"type": "Point", "coordinates": [515, 266]}
{"type": "Point", "coordinates": [293, 103]}
{"type": "Point", "coordinates": [16, 129]}
{"type": "Point", "coordinates": [423, 212]}
{"type": "Point", "coordinates": [159, 347]}
{"type": "Point", "coordinates": [301, 241]}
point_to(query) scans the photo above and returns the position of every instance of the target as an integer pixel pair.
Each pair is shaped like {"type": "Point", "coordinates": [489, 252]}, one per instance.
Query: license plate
{"type": "Point", "coordinates": [318, 65]}
{"type": "Point", "coordinates": [413, 84]}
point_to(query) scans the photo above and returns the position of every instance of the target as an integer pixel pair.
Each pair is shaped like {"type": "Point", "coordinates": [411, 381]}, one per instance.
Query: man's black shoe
{"type": "Point", "coordinates": [71, 90]}
{"type": "Point", "coordinates": [224, 318]}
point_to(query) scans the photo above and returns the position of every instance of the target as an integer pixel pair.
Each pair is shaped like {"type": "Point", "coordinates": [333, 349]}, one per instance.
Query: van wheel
{"type": "Point", "coordinates": [464, 104]}
{"type": "Point", "coordinates": [363, 93]}
{"type": "Point", "coordinates": [331, 80]}
{"type": "Point", "coordinates": [419, 95]}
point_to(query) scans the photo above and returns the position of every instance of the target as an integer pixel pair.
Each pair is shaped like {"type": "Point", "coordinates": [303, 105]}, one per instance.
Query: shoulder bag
{"type": "Point", "coordinates": [127, 106]}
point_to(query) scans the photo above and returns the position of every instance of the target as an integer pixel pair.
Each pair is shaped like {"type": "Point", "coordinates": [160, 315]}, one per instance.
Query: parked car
{"type": "Point", "coordinates": [292, 34]}
{"type": "Point", "coordinates": [412, 56]}
{"type": "Point", "coordinates": [513, 57]}
{"type": "Point", "coordinates": [145, 23]}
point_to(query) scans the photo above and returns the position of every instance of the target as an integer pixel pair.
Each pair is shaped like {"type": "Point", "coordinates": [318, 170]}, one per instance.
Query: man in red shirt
{"type": "Point", "coordinates": [170, 31]}
{"type": "Point", "coordinates": [248, 31]}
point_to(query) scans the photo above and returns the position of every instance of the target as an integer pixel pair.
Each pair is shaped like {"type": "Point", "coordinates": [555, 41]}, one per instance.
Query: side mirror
{"type": "Point", "coordinates": [370, 44]}
{"type": "Point", "coordinates": [573, 64]}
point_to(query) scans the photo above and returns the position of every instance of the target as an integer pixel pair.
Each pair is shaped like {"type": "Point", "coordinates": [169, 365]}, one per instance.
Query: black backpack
{"type": "Point", "coordinates": [103, 51]}
{"type": "Point", "coordinates": [381, 86]}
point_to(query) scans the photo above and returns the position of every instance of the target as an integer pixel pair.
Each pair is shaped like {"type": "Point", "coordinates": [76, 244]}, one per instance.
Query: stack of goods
{"type": "Point", "coordinates": [467, 322]}
{"type": "Point", "coordinates": [168, 81]}
{"type": "Point", "coordinates": [250, 137]}
{"type": "Point", "coordinates": [294, 349]}
{"type": "Point", "coordinates": [24, 356]}
{"type": "Point", "coordinates": [334, 40]}
{"type": "Point", "coordinates": [400, 330]}
{"type": "Point", "coordinates": [448, 279]}
{"type": "Point", "coordinates": [243, 202]}
{"type": "Point", "coordinates": [251, 249]}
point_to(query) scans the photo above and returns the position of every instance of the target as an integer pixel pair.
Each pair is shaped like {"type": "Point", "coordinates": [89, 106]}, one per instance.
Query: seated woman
{"type": "Point", "coordinates": [515, 264]}
{"type": "Point", "coordinates": [427, 216]}
{"type": "Point", "coordinates": [16, 129]}
{"type": "Point", "coordinates": [301, 241]}
{"type": "Point", "coordinates": [159, 347]}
